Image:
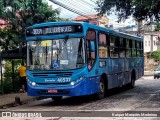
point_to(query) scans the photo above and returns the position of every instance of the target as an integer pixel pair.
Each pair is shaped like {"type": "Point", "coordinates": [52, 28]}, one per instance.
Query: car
{"type": "Point", "coordinates": [157, 73]}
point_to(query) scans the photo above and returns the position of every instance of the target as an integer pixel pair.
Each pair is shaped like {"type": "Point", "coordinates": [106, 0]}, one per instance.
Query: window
{"type": "Point", "coordinates": [145, 43]}
{"type": "Point", "coordinates": [134, 53]}
{"type": "Point", "coordinates": [149, 42]}
{"type": "Point", "coordinates": [139, 47]}
{"type": "Point", "coordinates": [121, 42]}
{"type": "Point", "coordinates": [128, 53]}
{"type": "Point", "coordinates": [128, 48]}
{"type": "Point", "coordinates": [91, 54]}
{"type": "Point", "coordinates": [114, 43]}
{"type": "Point", "coordinates": [122, 47]}
{"type": "Point", "coordinates": [133, 44]}
{"type": "Point", "coordinates": [103, 45]}
{"type": "Point", "coordinates": [113, 52]}
{"type": "Point", "coordinates": [127, 43]}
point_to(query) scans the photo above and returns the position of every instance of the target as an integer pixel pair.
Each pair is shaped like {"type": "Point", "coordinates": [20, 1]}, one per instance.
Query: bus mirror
{"type": "Point", "coordinates": [92, 46]}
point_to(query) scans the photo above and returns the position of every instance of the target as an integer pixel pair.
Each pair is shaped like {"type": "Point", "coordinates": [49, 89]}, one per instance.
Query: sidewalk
{"type": "Point", "coordinates": [9, 100]}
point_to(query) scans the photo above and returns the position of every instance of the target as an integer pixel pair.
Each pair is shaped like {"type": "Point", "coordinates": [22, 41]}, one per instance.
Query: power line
{"type": "Point", "coordinates": [76, 5]}
{"type": "Point", "coordinates": [88, 3]}
{"type": "Point", "coordinates": [93, 1]}
{"type": "Point", "coordinates": [69, 8]}
{"type": "Point", "coordinates": [85, 5]}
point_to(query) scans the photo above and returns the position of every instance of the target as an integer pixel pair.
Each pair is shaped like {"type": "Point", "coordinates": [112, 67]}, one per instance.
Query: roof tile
{"type": "Point", "coordinates": [80, 18]}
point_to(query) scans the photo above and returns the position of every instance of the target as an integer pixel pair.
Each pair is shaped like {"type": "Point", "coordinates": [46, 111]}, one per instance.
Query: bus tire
{"type": "Point", "coordinates": [132, 83]}
{"type": "Point", "coordinates": [101, 94]}
{"type": "Point", "coordinates": [57, 99]}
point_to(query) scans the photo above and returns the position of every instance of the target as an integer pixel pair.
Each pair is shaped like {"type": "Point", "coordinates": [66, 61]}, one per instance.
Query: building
{"type": "Point", "coordinates": [150, 42]}
{"type": "Point", "coordinates": [93, 19]}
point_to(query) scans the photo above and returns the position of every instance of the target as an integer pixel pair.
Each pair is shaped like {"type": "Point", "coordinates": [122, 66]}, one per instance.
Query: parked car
{"type": "Point", "coordinates": [157, 73]}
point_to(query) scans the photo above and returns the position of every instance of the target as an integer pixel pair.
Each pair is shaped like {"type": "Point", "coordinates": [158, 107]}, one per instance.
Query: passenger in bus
{"type": "Point", "coordinates": [89, 65]}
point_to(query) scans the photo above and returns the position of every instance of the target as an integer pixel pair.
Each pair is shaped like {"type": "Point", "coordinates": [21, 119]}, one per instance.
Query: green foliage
{"type": "Point", "coordinates": [155, 55]}
{"type": "Point", "coordinates": [139, 9]}
{"type": "Point", "coordinates": [157, 27]}
{"type": "Point", "coordinates": [7, 77]}
{"type": "Point", "coordinates": [20, 14]}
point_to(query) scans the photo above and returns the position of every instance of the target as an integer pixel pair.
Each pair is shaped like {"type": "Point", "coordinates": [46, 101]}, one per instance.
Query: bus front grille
{"type": "Point", "coordinates": [52, 84]}
{"type": "Point", "coordinates": [51, 74]}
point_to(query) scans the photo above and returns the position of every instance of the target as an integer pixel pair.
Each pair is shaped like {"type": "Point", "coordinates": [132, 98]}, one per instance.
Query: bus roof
{"type": "Point", "coordinates": [111, 31]}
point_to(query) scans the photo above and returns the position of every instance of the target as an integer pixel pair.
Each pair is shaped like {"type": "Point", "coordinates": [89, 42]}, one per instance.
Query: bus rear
{"type": "Point", "coordinates": [56, 60]}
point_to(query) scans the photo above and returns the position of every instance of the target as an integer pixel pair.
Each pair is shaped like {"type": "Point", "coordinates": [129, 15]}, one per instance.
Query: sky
{"type": "Point", "coordinates": [86, 7]}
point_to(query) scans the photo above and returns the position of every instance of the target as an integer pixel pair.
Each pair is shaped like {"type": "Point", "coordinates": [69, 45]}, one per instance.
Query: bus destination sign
{"type": "Point", "coordinates": [54, 30]}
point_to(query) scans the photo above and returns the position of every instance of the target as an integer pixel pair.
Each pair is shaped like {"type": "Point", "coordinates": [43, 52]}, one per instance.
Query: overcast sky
{"type": "Point", "coordinates": [85, 7]}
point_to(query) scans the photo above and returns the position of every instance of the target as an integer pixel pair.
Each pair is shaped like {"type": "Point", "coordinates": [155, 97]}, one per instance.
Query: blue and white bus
{"type": "Point", "coordinates": [78, 58]}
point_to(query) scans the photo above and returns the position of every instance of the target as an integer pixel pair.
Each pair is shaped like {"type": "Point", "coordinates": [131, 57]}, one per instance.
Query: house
{"type": "Point", "coordinates": [93, 19]}
{"type": "Point", "coordinates": [150, 42]}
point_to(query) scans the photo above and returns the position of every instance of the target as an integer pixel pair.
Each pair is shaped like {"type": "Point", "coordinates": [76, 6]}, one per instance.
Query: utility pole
{"type": "Point", "coordinates": [139, 24]}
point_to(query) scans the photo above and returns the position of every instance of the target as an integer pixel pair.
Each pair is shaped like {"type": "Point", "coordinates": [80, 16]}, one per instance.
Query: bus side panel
{"type": "Point", "coordinates": [92, 85]}
{"type": "Point", "coordinates": [140, 66]}
{"type": "Point", "coordinates": [112, 81]}
{"type": "Point", "coordinates": [116, 77]}
{"type": "Point", "coordinates": [137, 65]}
{"type": "Point", "coordinates": [127, 77]}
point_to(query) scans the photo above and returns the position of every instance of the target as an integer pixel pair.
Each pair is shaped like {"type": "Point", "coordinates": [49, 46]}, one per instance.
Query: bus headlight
{"type": "Point", "coordinates": [73, 83]}
{"type": "Point", "coordinates": [33, 83]}
{"type": "Point", "coordinates": [77, 81]}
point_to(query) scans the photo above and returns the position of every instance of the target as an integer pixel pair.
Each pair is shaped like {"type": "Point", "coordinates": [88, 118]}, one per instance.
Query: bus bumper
{"type": "Point", "coordinates": [86, 87]}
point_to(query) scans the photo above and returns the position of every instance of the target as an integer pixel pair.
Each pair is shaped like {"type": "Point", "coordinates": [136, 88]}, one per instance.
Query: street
{"type": "Point", "coordinates": [144, 97]}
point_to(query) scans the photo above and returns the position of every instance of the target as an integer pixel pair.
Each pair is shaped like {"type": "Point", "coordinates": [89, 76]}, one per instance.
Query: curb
{"type": "Point", "coordinates": [17, 103]}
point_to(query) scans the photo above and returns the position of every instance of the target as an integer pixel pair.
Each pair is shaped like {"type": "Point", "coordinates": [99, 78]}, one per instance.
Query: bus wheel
{"type": "Point", "coordinates": [57, 99]}
{"type": "Point", "coordinates": [101, 93]}
{"type": "Point", "coordinates": [132, 83]}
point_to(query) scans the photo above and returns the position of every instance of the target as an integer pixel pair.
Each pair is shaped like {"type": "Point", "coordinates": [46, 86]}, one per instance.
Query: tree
{"type": "Point", "coordinates": [156, 56]}
{"type": "Point", "coordinates": [20, 14]}
{"type": "Point", "coordinates": [157, 27]}
{"type": "Point", "coordinates": [139, 9]}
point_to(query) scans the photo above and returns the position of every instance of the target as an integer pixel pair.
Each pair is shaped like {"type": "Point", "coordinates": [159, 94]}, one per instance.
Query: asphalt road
{"type": "Point", "coordinates": [142, 102]}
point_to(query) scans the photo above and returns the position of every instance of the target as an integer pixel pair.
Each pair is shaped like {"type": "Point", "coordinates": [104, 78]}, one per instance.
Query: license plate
{"type": "Point", "coordinates": [52, 91]}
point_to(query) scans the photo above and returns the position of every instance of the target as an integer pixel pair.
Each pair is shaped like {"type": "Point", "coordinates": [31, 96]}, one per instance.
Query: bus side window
{"type": "Point", "coordinates": [103, 45]}
{"type": "Point", "coordinates": [91, 55]}
{"type": "Point", "coordinates": [114, 44]}
{"type": "Point", "coordinates": [122, 47]}
{"type": "Point", "coordinates": [128, 48]}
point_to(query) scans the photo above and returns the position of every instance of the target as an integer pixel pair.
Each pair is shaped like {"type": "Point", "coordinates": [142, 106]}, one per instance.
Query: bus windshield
{"type": "Point", "coordinates": [59, 54]}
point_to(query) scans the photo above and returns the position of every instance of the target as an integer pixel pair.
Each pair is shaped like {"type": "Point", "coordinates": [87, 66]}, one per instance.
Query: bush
{"type": "Point", "coordinates": [7, 80]}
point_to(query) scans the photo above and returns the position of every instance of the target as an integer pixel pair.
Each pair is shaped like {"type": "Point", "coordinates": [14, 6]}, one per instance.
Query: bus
{"type": "Point", "coordinates": [79, 58]}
